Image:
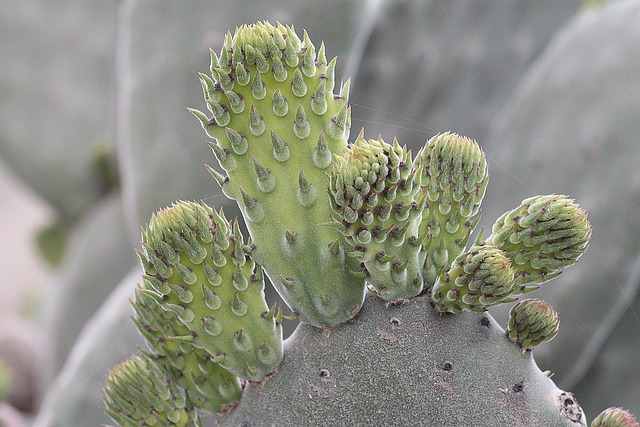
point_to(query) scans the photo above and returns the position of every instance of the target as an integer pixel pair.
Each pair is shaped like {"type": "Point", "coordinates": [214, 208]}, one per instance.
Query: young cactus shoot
{"type": "Point", "coordinates": [330, 222]}
{"type": "Point", "coordinates": [615, 417]}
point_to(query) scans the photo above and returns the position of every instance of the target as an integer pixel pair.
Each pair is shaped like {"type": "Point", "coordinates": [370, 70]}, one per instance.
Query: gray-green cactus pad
{"type": "Point", "coordinates": [406, 365]}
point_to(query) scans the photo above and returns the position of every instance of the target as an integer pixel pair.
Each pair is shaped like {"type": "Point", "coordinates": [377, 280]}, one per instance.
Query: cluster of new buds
{"type": "Point", "coordinates": [401, 224]}
{"type": "Point", "coordinates": [539, 238]}
{"type": "Point", "coordinates": [326, 218]}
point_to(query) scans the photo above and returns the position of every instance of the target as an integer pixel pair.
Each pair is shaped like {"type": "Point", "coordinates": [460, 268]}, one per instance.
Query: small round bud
{"type": "Point", "coordinates": [478, 279]}
{"type": "Point", "coordinates": [532, 322]}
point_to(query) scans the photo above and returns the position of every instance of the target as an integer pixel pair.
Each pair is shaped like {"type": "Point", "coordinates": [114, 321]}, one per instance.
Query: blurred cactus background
{"type": "Point", "coordinates": [95, 136]}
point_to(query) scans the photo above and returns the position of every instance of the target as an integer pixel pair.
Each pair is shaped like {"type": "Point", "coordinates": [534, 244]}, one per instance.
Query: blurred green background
{"type": "Point", "coordinates": [95, 136]}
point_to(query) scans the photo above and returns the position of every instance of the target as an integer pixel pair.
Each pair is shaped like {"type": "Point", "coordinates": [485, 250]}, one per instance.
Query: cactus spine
{"type": "Point", "coordinates": [277, 126]}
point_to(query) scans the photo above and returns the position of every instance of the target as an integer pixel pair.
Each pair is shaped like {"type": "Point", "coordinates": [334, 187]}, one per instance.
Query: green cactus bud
{"type": "Point", "coordinates": [138, 393]}
{"type": "Point", "coordinates": [291, 127]}
{"type": "Point", "coordinates": [213, 289]}
{"type": "Point", "coordinates": [478, 279]}
{"type": "Point", "coordinates": [454, 177]}
{"type": "Point", "coordinates": [208, 386]}
{"type": "Point", "coordinates": [374, 205]}
{"type": "Point", "coordinates": [615, 417]}
{"type": "Point", "coordinates": [541, 236]}
{"type": "Point", "coordinates": [532, 322]}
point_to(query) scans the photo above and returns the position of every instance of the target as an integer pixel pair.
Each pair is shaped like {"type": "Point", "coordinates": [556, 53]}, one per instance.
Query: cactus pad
{"type": "Point", "coordinates": [454, 175]}
{"type": "Point", "coordinates": [138, 393]}
{"type": "Point", "coordinates": [373, 198]}
{"type": "Point", "coordinates": [196, 263]}
{"type": "Point", "coordinates": [541, 236]}
{"type": "Point", "coordinates": [277, 125]}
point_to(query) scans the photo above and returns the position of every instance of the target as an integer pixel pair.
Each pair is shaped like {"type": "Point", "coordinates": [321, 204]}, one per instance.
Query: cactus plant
{"type": "Point", "coordinates": [417, 67]}
{"type": "Point", "coordinates": [324, 217]}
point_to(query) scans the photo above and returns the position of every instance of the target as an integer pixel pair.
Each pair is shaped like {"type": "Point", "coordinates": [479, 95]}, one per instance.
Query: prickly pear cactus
{"type": "Point", "coordinates": [325, 218]}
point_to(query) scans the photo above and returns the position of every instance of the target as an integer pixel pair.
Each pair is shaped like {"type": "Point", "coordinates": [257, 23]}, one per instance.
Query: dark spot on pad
{"type": "Point", "coordinates": [484, 321]}
{"type": "Point", "coordinates": [447, 366]}
{"type": "Point", "coordinates": [394, 321]}
{"type": "Point", "coordinates": [324, 373]}
{"type": "Point", "coordinates": [517, 388]}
